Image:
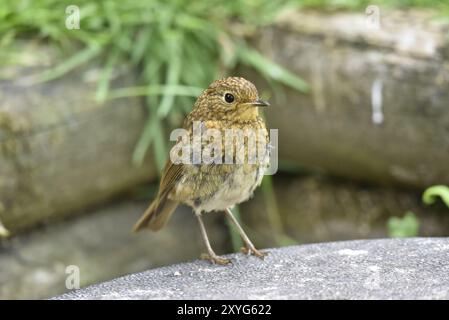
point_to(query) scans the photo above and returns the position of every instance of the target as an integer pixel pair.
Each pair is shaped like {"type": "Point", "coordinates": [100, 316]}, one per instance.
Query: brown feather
{"type": "Point", "coordinates": [160, 210]}
{"type": "Point", "coordinates": [157, 215]}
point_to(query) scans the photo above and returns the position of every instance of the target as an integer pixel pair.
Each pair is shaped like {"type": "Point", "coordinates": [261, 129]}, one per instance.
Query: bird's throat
{"type": "Point", "coordinates": [247, 113]}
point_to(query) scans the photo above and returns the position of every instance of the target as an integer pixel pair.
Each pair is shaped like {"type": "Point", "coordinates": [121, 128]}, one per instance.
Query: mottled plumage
{"type": "Point", "coordinates": [210, 186]}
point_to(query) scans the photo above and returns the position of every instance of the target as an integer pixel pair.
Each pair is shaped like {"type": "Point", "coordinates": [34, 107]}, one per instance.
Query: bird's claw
{"type": "Point", "coordinates": [253, 251]}
{"type": "Point", "coordinates": [215, 259]}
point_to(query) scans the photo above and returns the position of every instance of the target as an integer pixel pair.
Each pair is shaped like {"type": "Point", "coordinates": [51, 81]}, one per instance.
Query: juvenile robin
{"type": "Point", "coordinates": [229, 105]}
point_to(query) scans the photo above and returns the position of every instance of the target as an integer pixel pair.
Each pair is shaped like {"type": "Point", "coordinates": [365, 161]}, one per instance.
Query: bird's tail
{"type": "Point", "coordinates": [157, 214]}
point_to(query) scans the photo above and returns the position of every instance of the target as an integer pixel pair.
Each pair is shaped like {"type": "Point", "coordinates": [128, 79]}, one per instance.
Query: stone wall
{"type": "Point", "coordinates": [60, 150]}
{"type": "Point", "coordinates": [378, 106]}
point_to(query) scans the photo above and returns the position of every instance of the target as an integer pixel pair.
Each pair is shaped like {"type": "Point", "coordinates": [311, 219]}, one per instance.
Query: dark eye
{"type": "Point", "coordinates": [229, 98]}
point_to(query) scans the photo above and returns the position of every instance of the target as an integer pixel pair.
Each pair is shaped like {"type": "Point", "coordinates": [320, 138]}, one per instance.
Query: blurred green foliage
{"type": "Point", "coordinates": [408, 226]}
{"type": "Point", "coordinates": [358, 4]}
{"type": "Point", "coordinates": [177, 46]}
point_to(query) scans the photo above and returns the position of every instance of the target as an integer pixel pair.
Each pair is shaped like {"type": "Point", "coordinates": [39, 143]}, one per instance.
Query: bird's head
{"type": "Point", "coordinates": [233, 98]}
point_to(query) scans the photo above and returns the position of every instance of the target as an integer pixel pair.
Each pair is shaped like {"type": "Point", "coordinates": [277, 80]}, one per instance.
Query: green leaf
{"type": "Point", "coordinates": [142, 42]}
{"type": "Point", "coordinates": [432, 193]}
{"type": "Point", "coordinates": [68, 65]}
{"type": "Point", "coordinates": [147, 136]}
{"type": "Point", "coordinates": [274, 217]}
{"type": "Point", "coordinates": [270, 69]}
{"type": "Point", "coordinates": [408, 226]}
{"type": "Point", "coordinates": [106, 75]}
{"type": "Point", "coordinates": [173, 74]}
{"type": "Point", "coordinates": [177, 90]}
{"type": "Point", "coordinates": [236, 240]}
{"type": "Point", "coordinates": [160, 146]}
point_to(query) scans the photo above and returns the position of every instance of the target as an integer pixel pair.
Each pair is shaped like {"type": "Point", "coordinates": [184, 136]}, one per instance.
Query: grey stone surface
{"type": "Point", "coordinates": [416, 268]}
{"type": "Point", "coordinates": [100, 243]}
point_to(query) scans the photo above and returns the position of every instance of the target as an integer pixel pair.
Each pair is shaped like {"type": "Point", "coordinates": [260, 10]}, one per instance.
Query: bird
{"type": "Point", "coordinates": [228, 105]}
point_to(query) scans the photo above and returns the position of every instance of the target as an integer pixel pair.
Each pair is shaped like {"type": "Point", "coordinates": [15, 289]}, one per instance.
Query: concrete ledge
{"type": "Point", "coordinates": [367, 269]}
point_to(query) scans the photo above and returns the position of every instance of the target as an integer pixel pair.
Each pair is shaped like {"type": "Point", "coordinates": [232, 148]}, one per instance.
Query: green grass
{"type": "Point", "coordinates": [177, 47]}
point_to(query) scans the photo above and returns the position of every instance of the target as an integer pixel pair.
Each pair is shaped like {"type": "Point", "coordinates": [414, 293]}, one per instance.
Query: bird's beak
{"type": "Point", "coordinates": [259, 103]}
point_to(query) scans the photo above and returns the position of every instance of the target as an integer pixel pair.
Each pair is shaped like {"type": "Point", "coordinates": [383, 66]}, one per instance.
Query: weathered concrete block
{"type": "Point", "coordinates": [379, 98]}
{"type": "Point", "coordinates": [367, 269]}
{"type": "Point", "coordinates": [60, 150]}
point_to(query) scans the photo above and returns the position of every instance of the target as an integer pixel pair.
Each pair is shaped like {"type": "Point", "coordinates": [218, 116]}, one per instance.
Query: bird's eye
{"type": "Point", "coordinates": [229, 98]}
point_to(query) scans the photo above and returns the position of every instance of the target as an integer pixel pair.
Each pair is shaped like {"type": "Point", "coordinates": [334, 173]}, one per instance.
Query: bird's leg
{"type": "Point", "coordinates": [210, 255]}
{"type": "Point", "coordinates": [249, 246]}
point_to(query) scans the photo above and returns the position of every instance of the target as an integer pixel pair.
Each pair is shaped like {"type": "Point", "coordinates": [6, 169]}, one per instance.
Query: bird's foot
{"type": "Point", "coordinates": [215, 259]}
{"type": "Point", "coordinates": [251, 250]}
